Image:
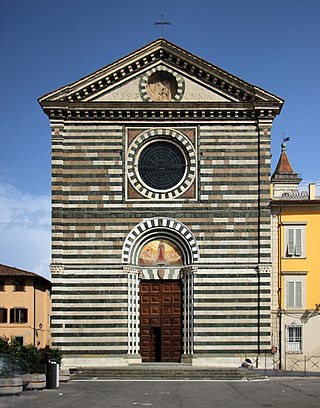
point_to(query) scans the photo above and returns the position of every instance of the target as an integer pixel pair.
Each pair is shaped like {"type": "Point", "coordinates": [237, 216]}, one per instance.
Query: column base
{"type": "Point", "coordinates": [188, 359]}
{"type": "Point", "coordinates": [134, 359]}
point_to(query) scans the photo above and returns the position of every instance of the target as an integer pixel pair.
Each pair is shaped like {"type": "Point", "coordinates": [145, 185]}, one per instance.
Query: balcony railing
{"type": "Point", "coordinates": [304, 364]}
{"type": "Point", "coordinates": [304, 191]}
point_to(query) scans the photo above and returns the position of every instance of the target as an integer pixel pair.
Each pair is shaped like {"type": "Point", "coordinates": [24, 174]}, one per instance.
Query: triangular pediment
{"type": "Point", "coordinates": [128, 79]}
{"type": "Point", "coordinates": [132, 89]}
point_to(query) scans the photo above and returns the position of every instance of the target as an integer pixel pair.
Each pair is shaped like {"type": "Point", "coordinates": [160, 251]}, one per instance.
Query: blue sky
{"type": "Point", "coordinates": [46, 44]}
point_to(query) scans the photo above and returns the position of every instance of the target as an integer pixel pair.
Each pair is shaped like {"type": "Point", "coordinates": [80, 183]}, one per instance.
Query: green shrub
{"type": "Point", "coordinates": [4, 345]}
{"type": "Point", "coordinates": [15, 347]}
{"type": "Point", "coordinates": [53, 354]}
{"type": "Point", "coordinates": [29, 353]}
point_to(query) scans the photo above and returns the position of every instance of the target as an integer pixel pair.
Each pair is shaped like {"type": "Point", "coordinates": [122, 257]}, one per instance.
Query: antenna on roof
{"type": "Point", "coordinates": [162, 23]}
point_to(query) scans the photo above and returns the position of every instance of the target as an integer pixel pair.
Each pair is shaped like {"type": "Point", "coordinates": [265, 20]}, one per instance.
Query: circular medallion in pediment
{"type": "Point", "coordinates": [161, 84]}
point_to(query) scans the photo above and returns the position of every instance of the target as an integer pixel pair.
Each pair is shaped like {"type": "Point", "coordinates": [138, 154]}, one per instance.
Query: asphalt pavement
{"type": "Point", "coordinates": [275, 392]}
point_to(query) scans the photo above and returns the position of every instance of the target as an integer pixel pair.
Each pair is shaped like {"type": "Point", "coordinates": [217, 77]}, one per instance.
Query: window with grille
{"type": "Point", "coordinates": [295, 242]}
{"type": "Point", "coordinates": [294, 339]}
{"type": "Point", "coordinates": [19, 315]}
{"type": "Point", "coordinates": [162, 165]}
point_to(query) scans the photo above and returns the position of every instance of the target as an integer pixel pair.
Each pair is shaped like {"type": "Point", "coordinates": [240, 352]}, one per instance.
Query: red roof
{"type": "Point", "coordinates": [284, 166]}
{"type": "Point", "coordinates": [284, 170]}
{"type": "Point", "coordinates": [11, 271]}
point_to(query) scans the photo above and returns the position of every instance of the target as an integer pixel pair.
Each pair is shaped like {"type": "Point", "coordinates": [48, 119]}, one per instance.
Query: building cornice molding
{"type": "Point", "coordinates": [293, 203]}
{"type": "Point", "coordinates": [151, 111]}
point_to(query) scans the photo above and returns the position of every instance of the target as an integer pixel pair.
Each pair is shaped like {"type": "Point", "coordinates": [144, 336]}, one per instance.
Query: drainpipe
{"type": "Point", "coordinates": [34, 313]}
{"type": "Point", "coordinates": [280, 285]}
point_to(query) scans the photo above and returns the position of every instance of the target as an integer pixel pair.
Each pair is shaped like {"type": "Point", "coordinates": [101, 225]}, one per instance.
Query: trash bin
{"type": "Point", "coordinates": [52, 375]}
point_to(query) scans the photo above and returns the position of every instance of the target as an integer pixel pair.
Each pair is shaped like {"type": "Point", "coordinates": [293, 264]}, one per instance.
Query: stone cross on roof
{"type": "Point", "coordinates": [162, 23]}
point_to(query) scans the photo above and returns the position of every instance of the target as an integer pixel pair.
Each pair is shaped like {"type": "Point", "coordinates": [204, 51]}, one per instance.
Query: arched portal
{"type": "Point", "coordinates": [160, 228]}
{"type": "Point", "coordinates": [159, 256]}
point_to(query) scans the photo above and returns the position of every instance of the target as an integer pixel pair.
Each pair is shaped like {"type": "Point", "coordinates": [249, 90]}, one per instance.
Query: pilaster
{"type": "Point", "coordinates": [264, 135]}
{"type": "Point", "coordinates": [57, 129]}
{"type": "Point", "coordinates": [187, 275]}
{"type": "Point", "coordinates": [133, 275]}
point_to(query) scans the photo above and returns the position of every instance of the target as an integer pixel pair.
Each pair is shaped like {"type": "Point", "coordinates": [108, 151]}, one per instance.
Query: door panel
{"type": "Point", "coordinates": [160, 309]}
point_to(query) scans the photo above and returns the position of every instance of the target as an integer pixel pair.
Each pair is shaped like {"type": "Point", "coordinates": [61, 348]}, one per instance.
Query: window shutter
{"type": "Point", "coordinates": [290, 295]}
{"type": "Point", "coordinates": [298, 242]}
{"type": "Point", "coordinates": [3, 315]}
{"type": "Point", "coordinates": [298, 297]}
{"type": "Point", "coordinates": [25, 315]}
{"type": "Point", "coordinates": [290, 244]}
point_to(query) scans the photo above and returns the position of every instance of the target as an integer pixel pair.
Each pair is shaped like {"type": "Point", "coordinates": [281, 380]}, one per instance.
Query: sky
{"type": "Point", "coordinates": [46, 44]}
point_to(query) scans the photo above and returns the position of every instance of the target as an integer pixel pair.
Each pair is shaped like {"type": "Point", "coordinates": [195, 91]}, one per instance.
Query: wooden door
{"type": "Point", "coordinates": [160, 320]}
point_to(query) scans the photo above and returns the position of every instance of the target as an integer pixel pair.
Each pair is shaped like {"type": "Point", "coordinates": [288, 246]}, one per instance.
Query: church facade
{"type": "Point", "coordinates": [160, 213]}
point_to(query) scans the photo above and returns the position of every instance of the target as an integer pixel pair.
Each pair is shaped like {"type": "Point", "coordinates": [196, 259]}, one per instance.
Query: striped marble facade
{"type": "Point", "coordinates": [223, 227]}
{"type": "Point", "coordinates": [231, 293]}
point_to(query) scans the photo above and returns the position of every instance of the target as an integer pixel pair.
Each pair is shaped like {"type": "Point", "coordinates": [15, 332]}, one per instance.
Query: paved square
{"type": "Point", "coordinates": [276, 392]}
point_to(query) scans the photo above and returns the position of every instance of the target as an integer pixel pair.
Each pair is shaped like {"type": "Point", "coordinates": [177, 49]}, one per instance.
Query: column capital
{"type": "Point", "coordinates": [264, 268]}
{"type": "Point", "coordinates": [57, 130]}
{"type": "Point", "coordinates": [57, 269]}
{"type": "Point", "coordinates": [188, 270]}
{"type": "Point", "coordinates": [132, 270]}
{"type": "Point", "coordinates": [264, 125]}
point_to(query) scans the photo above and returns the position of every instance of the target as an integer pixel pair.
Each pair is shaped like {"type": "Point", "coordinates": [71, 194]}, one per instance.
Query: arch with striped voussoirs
{"type": "Point", "coordinates": [160, 228]}
{"type": "Point", "coordinates": [170, 75]}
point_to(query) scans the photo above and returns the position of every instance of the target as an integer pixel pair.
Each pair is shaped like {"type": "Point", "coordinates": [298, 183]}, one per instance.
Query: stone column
{"type": "Point", "coordinates": [134, 275]}
{"type": "Point", "coordinates": [264, 272]}
{"type": "Point", "coordinates": [187, 276]}
{"type": "Point", "coordinates": [57, 271]}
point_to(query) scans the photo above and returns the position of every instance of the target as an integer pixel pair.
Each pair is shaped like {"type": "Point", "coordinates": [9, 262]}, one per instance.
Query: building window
{"type": "Point", "coordinates": [294, 339]}
{"type": "Point", "coordinates": [19, 339]}
{"type": "Point", "coordinates": [295, 291]}
{"type": "Point", "coordinates": [161, 164]}
{"type": "Point", "coordinates": [295, 241]}
{"type": "Point", "coordinates": [19, 285]}
{"type": "Point", "coordinates": [2, 286]}
{"type": "Point", "coordinates": [19, 315]}
{"type": "Point", "coordinates": [3, 315]}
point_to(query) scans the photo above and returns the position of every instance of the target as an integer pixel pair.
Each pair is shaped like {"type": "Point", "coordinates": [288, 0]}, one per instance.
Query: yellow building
{"type": "Point", "coordinates": [25, 306]}
{"type": "Point", "coordinates": [296, 262]}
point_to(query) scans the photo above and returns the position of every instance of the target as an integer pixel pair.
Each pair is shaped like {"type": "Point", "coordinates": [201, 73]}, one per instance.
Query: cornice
{"type": "Point", "coordinates": [293, 203]}
{"type": "Point", "coordinates": [166, 110]}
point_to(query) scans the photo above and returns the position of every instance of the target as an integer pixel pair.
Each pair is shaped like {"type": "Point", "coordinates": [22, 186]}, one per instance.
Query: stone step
{"type": "Point", "coordinates": [155, 373]}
